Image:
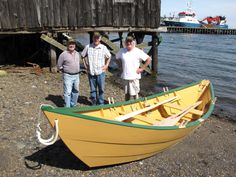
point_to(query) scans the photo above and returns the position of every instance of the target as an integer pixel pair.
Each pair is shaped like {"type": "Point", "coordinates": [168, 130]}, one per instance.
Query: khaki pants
{"type": "Point", "coordinates": [132, 88]}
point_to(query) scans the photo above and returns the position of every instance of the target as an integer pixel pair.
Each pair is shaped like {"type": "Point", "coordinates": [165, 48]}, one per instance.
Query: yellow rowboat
{"type": "Point", "coordinates": [133, 130]}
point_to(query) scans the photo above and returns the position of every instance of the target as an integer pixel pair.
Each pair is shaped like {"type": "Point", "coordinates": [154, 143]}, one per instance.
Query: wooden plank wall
{"type": "Point", "coordinates": [38, 15]}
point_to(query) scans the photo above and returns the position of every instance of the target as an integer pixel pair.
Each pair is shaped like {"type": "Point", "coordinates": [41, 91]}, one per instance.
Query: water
{"type": "Point", "coordinates": [186, 58]}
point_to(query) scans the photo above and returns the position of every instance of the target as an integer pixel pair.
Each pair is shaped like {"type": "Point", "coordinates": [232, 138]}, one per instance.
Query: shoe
{"type": "Point", "coordinates": [93, 102]}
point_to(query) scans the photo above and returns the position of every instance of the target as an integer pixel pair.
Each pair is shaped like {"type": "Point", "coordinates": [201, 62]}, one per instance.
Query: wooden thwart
{"type": "Point", "coordinates": [193, 111]}
{"type": "Point", "coordinates": [172, 120]}
{"type": "Point", "coordinates": [142, 118]}
{"type": "Point", "coordinates": [132, 114]}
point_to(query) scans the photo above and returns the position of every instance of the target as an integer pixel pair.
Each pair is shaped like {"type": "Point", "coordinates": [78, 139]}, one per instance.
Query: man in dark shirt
{"type": "Point", "coordinates": [69, 64]}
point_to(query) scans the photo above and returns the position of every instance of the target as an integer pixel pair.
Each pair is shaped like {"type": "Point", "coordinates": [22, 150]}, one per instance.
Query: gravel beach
{"type": "Point", "coordinates": [208, 151]}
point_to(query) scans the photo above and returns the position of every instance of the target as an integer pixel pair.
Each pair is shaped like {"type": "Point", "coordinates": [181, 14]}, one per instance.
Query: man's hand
{"type": "Point", "coordinates": [139, 70]}
{"type": "Point", "coordinates": [104, 68]}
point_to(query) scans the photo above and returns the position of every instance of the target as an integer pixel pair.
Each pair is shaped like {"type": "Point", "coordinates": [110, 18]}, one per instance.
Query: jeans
{"type": "Point", "coordinates": [71, 89]}
{"type": "Point", "coordinates": [97, 81]}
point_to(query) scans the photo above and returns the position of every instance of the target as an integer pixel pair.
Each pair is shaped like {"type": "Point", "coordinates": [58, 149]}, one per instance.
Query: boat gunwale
{"type": "Point", "coordinates": [71, 111]}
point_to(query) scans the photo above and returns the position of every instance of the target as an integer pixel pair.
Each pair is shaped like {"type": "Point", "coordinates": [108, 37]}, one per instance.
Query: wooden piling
{"type": "Point", "coordinates": [121, 41]}
{"type": "Point", "coordinates": [154, 53]}
{"type": "Point", "coordinates": [53, 59]}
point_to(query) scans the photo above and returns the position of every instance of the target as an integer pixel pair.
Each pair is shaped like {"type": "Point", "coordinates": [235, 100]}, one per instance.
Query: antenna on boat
{"type": "Point", "coordinates": [189, 4]}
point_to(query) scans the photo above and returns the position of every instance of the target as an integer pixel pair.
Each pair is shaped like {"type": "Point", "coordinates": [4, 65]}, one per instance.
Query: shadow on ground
{"type": "Point", "coordinates": [59, 101]}
{"type": "Point", "coordinates": [56, 155]}
{"type": "Point", "coordinates": [56, 99]}
{"type": "Point", "coordinates": [84, 100]}
{"type": "Point", "coordinates": [59, 156]}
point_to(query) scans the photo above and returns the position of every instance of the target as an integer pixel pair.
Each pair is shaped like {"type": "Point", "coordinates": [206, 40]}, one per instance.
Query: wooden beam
{"type": "Point", "coordinates": [117, 39]}
{"type": "Point", "coordinates": [142, 45]}
{"type": "Point", "coordinates": [53, 42]}
{"type": "Point", "coordinates": [115, 49]}
{"type": "Point", "coordinates": [78, 44]}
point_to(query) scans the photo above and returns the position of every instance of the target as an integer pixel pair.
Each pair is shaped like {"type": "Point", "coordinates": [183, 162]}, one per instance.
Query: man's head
{"type": "Point", "coordinates": [71, 43]}
{"type": "Point", "coordinates": [130, 43]}
{"type": "Point", "coordinates": [96, 38]}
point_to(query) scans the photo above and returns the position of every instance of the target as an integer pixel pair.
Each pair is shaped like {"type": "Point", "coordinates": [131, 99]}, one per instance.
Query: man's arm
{"type": "Point", "coordinates": [147, 62]}
{"type": "Point", "coordinates": [85, 62]}
{"type": "Point", "coordinates": [107, 61]}
{"type": "Point", "coordinates": [60, 62]}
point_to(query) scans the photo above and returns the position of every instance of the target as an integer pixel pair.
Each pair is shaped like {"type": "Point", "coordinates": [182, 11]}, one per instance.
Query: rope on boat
{"type": "Point", "coordinates": [52, 139]}
{"type": "Point", "coordinates": [201, 120]}
{"type": "Point", "coordinates": [46, 105]}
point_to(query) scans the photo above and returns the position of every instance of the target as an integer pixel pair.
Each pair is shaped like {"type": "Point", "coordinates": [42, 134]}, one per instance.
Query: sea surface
{"type": "Point", "coordinates": [186, 58]}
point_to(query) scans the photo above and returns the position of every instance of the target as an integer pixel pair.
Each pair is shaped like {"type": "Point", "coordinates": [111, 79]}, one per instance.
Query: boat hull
{"type": "Point", "coordinates": [222, 26]}
{"type": "Point", "coordinates": [182, 24]}
{"type": "Point", "coordinates": [98, 136]}
{"type": "Point", "coordinates": [98, 143]}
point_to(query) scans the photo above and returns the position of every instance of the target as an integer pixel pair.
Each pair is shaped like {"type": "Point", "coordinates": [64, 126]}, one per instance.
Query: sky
{"type": "Point", "coordinates": [203, 8]}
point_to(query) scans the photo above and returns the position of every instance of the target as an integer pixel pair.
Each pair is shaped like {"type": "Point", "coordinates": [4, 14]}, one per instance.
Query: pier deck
{"type": "Point", "coordinates": [172, 29]}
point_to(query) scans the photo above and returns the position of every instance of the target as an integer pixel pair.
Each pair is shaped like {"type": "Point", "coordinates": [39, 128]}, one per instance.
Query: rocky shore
{"type": "Point", "coordinates": [208, 151]}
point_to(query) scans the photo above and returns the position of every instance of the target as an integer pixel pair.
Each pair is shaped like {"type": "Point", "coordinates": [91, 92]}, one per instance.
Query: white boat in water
{"type": "Point", "coordinates": [185, 19]}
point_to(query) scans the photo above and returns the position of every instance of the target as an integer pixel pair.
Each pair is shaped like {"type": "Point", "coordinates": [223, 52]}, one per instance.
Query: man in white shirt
{"type": "Point", "coordinates": [130, 57]}
{"type": "Point", "coordinates": [98, 59]}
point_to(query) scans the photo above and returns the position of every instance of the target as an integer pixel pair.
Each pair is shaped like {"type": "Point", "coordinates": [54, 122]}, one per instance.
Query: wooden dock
{"type": "Point", "coordinates": [23, 23]}
{"type": "Point", "coordinates": [173, 29]}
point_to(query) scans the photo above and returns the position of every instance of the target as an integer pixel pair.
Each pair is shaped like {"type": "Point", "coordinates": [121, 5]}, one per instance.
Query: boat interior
{"type": "Point", "coordinates": [173, 108]}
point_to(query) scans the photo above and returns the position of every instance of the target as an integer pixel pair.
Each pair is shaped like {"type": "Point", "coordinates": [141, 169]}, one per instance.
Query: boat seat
{"type": "Point", "coordinates": [193, 111]}
{"type": "Point", "coordinates": [141, 118]}
{"type": "Point", "coordinates": [146, 109]}
{"type": "Point", "coordinates": [174, 119]}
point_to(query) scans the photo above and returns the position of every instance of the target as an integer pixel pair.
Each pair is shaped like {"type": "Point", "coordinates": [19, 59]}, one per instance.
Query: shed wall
{"type": "Point", "coordinates": [40, 15]}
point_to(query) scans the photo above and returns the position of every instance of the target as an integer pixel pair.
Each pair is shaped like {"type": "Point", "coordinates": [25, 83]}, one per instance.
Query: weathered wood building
{"type": "Point", "coordinates": [35, 17]}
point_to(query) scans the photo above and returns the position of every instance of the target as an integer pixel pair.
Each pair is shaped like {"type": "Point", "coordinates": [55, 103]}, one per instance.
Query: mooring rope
{"type": "Point", "coordinates": [53, 138]}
